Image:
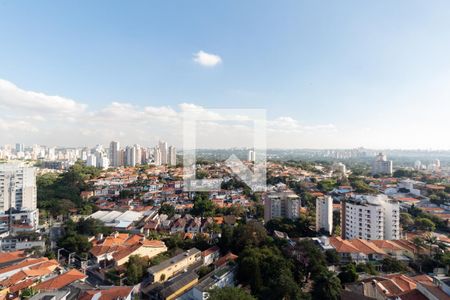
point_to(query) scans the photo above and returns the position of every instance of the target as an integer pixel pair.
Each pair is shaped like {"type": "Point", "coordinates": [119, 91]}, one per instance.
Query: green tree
{"type": "Point", "coordinates": [424, 224]}
{"type": "Point", "coordinates": [406, 220]}
{"type": "Point", "coordinates": [167, 209]}
{"type": "Point", "coordinates": [348, 274]}
{"type": "Point", "coordinates": [327, 286]}
{"type": "Point", "coordinates": [136, 269]}
{"type": "Point", "coordinates": [27, 293]}
{"type": "Point", "coordinates": [308, 259]}
{"type": "Point", "coordinates": [75, 243]}
{"type": "Point", "coordinates": [392, 265]}
{"type": "Point", "coordinates": [431, 240]}
{"type": "Point", "coordinates": [332, 257]}
{"type": "Point", "coordinates": [92, 227]}
{"type": "Point", "coordinates": [228, 293]}
{"type": "Point", "coordinates": [252, 234]}
{"type": "Point", "coordinates": [256, 268]}
{"type": "Point", "coordinates": [203, 207]}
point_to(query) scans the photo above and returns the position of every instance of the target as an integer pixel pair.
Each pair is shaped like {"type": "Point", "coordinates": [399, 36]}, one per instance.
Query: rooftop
{"type": "Point", "coordinates": [173, 260]}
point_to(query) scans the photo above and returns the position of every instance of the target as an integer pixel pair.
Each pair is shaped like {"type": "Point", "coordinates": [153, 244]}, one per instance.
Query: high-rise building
{"type": "Point", "coordinates": [138, 153]}
{"type": "Point", "coordinates": [324, 214]}
{"type": "Point", "coordinates": [381, 166]}
{"type": "Point", "coordinates": [91, 160]}
{"type": "Point", "coordinates": [164, 155]}
{"type": "Point", "coordinates": [172, 159]}
{"type": "Point", "coordinates": [20, 148]}
{"type": "Point", "coordinates": [114, 148]}
{"type": "Point", "coordinates": [251, 155]}
{"type": "Point", "coordinates": [417, 165]}
{"type": "Point", "coordinates": [130, 156]}
{"type": "Point", "coordinates": [281, 203]}
{"type": "Point", "coordinates": [17, 187]}
{"type": "Point", "coordinates": [370, 217]}
{"type": "Point", "coordinates": [157, 156]}
{"type": "Point", "coordinates": [102, 161]}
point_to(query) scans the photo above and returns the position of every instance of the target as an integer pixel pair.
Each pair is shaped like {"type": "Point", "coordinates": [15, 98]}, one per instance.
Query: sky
{"type": "Point", "coordinates": [329, 74]}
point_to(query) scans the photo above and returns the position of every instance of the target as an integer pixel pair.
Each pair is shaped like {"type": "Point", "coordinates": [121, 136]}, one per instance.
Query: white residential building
{"type": "Point", "coordinates": [130, 156]}
{"type": "Point", "coordinates": [281, 204]}
{"type": "Point", "coordinates": [91, 160]}
{"type": "Point", "coordinates": [381, 166]}
{"type": "Point", "coordinates": [164, 155]}
{"type": "Point", "coordinates": [17, 187]}
{"type": "Point", "coordinates": [251, 156]}
{"type": "Point", "coordinates": [172, 159]}
{"type": "Point", "coordinates": [114, 153]}
{"type": "Point", "coordinates": [371, 218]}
{"type": "Point", "coordinates": [157, 156]}
{"type": "Point", "coordinates": [324, 214]}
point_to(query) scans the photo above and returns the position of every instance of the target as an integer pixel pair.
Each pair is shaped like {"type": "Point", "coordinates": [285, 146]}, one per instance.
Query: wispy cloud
{"type": "Point", "coordinates": [207, 59]}
{"type": "Point", "coordinates": [62, 121]}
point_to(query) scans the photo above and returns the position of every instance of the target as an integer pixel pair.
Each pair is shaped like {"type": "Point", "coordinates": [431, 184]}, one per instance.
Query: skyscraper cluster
{"type": "Point", "coordinates": [134, 155]}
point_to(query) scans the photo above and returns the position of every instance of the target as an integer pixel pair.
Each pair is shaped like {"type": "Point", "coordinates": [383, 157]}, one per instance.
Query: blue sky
{"type": "Point", "coordinates": [376, 74]}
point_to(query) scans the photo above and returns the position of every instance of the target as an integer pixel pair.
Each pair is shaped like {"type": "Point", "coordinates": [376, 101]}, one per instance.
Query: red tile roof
{"type": "Point", "coordinates": [11, 256]}
{"type": "Point", "coordinates": [61, 280]}
{"type": "Point", "coordinates": [111, 293]}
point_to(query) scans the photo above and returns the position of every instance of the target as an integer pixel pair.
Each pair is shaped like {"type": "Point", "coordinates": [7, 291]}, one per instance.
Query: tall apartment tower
{"type": "Point", "coordinates": [281, 204]}
{"type": "Point", "coordinates": [157, 156]}
{"type": "Point", "coordinates": [130, 156]}
{"type": "Point", "coordinates": [324, 214]}
{"type": "Point", "coordinates": [164, 155]}
{"type": "Point", "coordinates": [91, 160]}
{"type": "Point", "coordinates": [138, 153]}
{"type": "Point", "coordinates": [172, 159]}
{"type": "Point", "coordinates": [17, 187]}
{"type": "Point", "coordinates": [371, 218]}
{"type": "Point", "coordinates": [381, 166]}
{"type": "Point", "coordinates": [114, 152]}
{"type": "Point", "coordinates": [251, 156]}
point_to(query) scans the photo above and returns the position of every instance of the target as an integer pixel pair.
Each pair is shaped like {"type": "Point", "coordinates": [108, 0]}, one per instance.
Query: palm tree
{"type": "Point", "coordinates": [418, 242]}
{"type": "Point", "coordinates": [431, 240]}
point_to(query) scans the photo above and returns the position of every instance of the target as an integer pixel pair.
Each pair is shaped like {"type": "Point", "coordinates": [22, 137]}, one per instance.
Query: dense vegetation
{"type": "Point", "coordinates": [57, 193]}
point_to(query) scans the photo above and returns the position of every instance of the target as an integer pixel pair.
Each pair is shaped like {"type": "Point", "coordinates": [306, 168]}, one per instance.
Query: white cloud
{"type": "Point", "coordinates": [15, 98]}
{"type": "Point", "coordinates": [207, 59]}
{"type": "Point", "coordinates": [66, 122]}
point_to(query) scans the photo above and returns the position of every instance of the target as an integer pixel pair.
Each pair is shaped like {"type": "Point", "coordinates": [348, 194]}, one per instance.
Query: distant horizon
{"type": "Point", "coordinates": [106, 145]}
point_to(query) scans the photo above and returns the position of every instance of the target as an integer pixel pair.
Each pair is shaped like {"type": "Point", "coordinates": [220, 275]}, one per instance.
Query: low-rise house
{"type": "Point", "coordinates": [194, 226]}
{"type": "Point", "coordinates": [210, 255]}
{"type": "Point", "coordinates": [175, 265]}
{"type": "Point", "coordinates": [13, 285]}
{"type": "Point", "coordinates": [219, 278]}
{"type": "Point", "coordinates": [118, 247]}
{"type": "Point", "coordinates": [108, 293]}
{"type": "Point", "coordinates": [357, 250]}
{"type": "Point", "coordinates": [9, 258]}
{"type": "Point", "coordinates": [172, 288]}
{"type": "Point", "coordinates": [178, 226]}
{"type": "Point", "coordinates": [60, 281]}
{"type": "Point", "coordinates": [22, 242]}
{"type": "Point", "coordinates": [398, 287]}
{"type": "Point", "coordinates": [227, 258]}
{"type": "Point", "coordinates": [23, 265]}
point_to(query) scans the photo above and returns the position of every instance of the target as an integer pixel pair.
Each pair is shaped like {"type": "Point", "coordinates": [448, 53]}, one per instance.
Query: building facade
{"type": "Point", "coordinates": [371, 218]}
{"type": "Point", "coordinates": [281, 204]}
{"type": "Point", "coordinates": [17, 187]}
{"type": "Point", "coordinates": [381, 166]}
{"type": "Point", "coordinates": [324, 214]}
